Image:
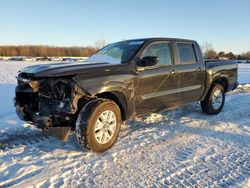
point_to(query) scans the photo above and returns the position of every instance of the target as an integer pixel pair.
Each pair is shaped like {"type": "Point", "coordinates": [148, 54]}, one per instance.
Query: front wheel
{"type": "Point", "coordinates": [98, 125]}
{"type": "Point", "coordinates": [214, 101]}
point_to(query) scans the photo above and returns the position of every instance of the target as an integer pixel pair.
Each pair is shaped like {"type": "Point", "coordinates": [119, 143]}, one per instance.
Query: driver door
{"type": "Point", "coordinates": [157, 86]}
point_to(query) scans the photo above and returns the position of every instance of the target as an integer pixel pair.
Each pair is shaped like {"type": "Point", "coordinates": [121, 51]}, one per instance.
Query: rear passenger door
{"type": "Point", "coordinates": [191, 71]}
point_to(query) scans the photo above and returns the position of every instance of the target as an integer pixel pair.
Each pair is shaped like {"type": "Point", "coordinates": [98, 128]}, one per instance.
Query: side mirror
{"type": "Point", "coordinates": [148, 61]}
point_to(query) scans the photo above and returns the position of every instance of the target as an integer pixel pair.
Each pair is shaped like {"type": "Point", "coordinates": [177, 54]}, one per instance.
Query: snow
{"type": "Point", "coordinates": [181, 147]}
{"type": "Point", "coordinates": [244, 73]}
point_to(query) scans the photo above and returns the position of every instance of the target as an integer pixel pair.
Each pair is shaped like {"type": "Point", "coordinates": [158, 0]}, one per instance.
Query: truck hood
{"type": "Point", "coordinates": [64, 69]}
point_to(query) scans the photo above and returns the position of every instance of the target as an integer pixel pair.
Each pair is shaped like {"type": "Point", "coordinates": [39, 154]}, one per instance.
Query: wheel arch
{"type": "Point", "coordinates": [120, 92]}
{"type": "Point", "coordinates": [217, 80]}
{"type": "Point", "coordinates": [222, 81]}
{"type": "Point", "coordinates": [118, 98]}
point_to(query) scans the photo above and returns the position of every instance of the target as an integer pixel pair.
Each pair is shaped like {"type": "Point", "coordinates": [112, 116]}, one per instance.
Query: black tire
{"type": "Point", "coordinates": [86, 121]}
{"type": "Point", "coordinates": [207, 104]}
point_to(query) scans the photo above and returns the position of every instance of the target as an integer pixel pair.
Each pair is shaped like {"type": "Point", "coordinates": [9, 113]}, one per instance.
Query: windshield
{"type": "Point", "coordinates": [117, 53]}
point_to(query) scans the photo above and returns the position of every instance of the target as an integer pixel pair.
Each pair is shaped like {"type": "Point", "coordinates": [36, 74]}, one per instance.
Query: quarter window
{"type": "Point", "coordinates": [186, 53]}
{"type": "Point", "coordinates": [161, 50]}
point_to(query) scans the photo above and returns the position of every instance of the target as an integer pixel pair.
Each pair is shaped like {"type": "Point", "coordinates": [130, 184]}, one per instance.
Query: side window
{"type": "Point", "coordinates": [161, 50]}
{"type": "Point", "coordinates": [186, 53]}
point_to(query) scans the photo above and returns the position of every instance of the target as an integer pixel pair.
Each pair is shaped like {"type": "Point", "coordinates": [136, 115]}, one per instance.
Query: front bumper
{"type": "Point", "coordinates": [43, 122]}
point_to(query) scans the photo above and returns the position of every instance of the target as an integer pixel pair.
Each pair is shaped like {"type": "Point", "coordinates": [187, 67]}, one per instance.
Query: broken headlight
{"type": "Point", "coordinates": [34, 84]}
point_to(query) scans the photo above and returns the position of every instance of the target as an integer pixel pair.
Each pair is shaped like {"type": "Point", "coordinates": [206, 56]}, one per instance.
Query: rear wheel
{"type": "Point", "coordinates": [214, 101]}
{"type": "Point", "coordinates": [98, 125]}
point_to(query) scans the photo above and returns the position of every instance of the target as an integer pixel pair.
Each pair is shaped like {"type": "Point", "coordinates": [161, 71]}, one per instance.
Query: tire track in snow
{"type": "Point", "coordinates": [210, 170]}
{"type": "Point", "coordinates": [12, 141]}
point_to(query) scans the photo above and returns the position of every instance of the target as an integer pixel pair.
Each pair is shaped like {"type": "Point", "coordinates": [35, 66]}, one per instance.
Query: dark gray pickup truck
{"type": "Point", "coordinates": [121, 81]}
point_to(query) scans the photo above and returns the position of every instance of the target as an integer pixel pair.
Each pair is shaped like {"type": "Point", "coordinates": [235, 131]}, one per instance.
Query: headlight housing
{"type": "Point", "coordinates": [34, 84]}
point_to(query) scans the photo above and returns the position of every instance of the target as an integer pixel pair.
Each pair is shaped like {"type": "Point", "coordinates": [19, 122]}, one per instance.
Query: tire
{"type": "Point", "coordinates": [98, 125]}
{"type": "Point", "coordinates": [209, 105]}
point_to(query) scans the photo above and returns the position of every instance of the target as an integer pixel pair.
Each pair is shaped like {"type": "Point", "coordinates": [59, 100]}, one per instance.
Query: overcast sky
{"type": "Point", "coordinates": [224, 23]}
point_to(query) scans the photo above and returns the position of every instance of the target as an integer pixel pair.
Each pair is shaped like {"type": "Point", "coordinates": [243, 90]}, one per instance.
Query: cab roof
{"type": "Point", "coordinates": [161, 38]}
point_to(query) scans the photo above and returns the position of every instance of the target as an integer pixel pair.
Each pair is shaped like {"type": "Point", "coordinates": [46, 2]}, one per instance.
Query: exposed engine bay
{"type": "Point", "coordinates": [48, 101]}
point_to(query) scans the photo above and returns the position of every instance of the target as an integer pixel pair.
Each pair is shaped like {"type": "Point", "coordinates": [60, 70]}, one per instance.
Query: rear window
{"type": "Point", "coordinates": [186, 53]}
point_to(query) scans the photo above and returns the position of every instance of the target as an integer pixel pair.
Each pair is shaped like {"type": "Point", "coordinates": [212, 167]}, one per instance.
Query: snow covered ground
{"type": "Point", "coordinates": [181, 147]}
{"type": "Point", "coordinates": [244, 73]}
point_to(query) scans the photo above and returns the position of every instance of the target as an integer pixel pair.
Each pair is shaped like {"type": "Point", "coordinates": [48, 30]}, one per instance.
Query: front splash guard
{"type": "Point", "coordinates": [61, 133]}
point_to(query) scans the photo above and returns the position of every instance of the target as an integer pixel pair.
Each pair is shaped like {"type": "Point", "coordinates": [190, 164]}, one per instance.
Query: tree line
{"type": "Point", "coordinates": [75, 51]}
{"type": "Point", "coordinates": [210, 53]}
{"type": "Point", "coordinates": [46, 51]}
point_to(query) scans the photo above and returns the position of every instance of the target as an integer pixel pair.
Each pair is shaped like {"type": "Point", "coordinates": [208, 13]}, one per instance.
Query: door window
{"type": "Point", "coordinates": [186, 53]}
{"type": "Point", "coordinates": [161, 50]}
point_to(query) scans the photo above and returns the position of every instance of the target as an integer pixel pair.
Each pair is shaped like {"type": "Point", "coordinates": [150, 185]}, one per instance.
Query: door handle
{"type": "Point", "coordinates": [173, 71]}
{"type": "Point", "coordinates": [199, 69]}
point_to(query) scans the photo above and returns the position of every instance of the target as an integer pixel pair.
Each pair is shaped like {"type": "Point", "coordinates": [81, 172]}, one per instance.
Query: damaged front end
{"type": "Point", "coordinates": [49, 103]}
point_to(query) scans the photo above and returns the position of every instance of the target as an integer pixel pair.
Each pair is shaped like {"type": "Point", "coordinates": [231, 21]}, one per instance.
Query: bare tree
{"type": "Point", "coordinates": [208, 51]}
{"type": "Point", "coordinates": [100, 44]}
{"type": "Point", "coordinates": [247, 55]}
{"type": "Point", "coordinates": [206, 46]}
{"type": "Point", "coordinates": [211, 54]}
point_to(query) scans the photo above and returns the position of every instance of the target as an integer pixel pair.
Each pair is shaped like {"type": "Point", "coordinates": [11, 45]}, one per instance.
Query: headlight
{"type": "Point", "coordinates": [34, 84]}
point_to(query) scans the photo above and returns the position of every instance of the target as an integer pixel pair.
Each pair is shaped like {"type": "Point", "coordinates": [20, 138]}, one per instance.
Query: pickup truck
{"type": "Point", "coordinates": [122, 80]}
